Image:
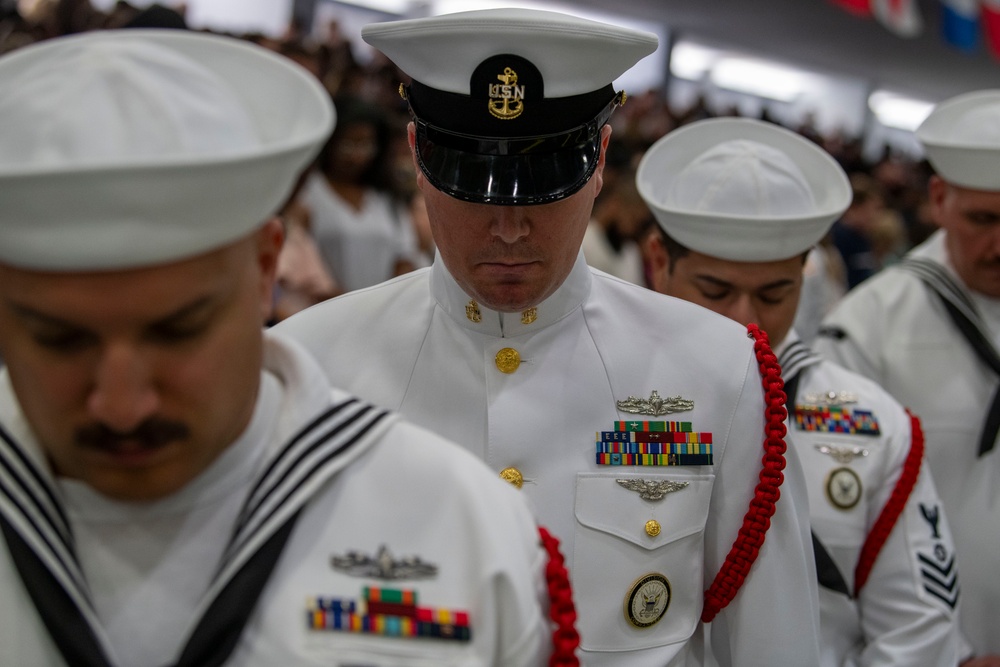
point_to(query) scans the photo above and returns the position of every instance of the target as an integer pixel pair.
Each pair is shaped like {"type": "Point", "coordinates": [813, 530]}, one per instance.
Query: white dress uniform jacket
{"type": "Point", "coordinates": [417, 345]}
{"type": "Point", "coordinates": [895, 330]}
{"type": "Point", "coordinates": [904, 614]}
{"type": "Point", "coordinates": [384, 512]}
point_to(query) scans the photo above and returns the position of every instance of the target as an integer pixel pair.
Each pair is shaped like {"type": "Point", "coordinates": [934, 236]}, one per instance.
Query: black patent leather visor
{"type": "Point", "coordinates": [511, 171]}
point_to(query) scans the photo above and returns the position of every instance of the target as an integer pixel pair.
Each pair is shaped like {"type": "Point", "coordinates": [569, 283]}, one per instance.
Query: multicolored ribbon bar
{"type": "Point", "coordinates": [835, 419]}
{"type": "Point", "coordinates": [646, 443]}
{"type": "Point", "coordinates": [616, 459]}
{"type": "Point", "coordinates": [392, 595]}
{"type": "Point", "coordinates": [637, 425]}
{"type": "Point", "coordinates": [390, 613]}
{"type": "Point", "coordinates": [654, 448]}
{"type": "Point", "coordinates": [653, 436]}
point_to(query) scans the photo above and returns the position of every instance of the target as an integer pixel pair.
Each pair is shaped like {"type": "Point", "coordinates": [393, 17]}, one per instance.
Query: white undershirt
{"type": "Point", "coordinates": [148, 565]}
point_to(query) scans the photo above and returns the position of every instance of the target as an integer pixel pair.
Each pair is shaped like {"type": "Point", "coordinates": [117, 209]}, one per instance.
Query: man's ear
{"type": "Point", "coordinates": [599, 170]}
{"type": "Point", "coordinates": [411, 139]}
{"type": "Point", "coordinates": [657, 259]}
{"type": "Point", "coordinates": [937, 191]}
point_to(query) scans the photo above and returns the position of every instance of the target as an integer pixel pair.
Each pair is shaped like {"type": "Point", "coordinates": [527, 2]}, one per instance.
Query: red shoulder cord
{"type": "Point", "coordinates": [565, 638]}
{"type": "Point", "coordinates": [893, 507]}
{"type": "Point", "coordinates": [758, 517]}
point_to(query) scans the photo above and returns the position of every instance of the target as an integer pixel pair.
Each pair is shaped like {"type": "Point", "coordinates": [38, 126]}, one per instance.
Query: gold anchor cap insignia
{"type": "Point", "coordinates": [655, 405]}
{"type": "Point", "coordinates": [506, 98]}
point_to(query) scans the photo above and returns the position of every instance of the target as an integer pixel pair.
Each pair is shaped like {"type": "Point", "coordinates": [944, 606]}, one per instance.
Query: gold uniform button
{"type": "Point", "coordinates": [652, 527]}
{"type": "Point", "coordinates": [512, 475]}
{"type": "Point", "coordinates": [507, 360]}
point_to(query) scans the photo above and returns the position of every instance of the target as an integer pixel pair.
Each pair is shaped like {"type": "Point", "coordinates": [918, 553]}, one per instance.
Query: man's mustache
{"type": "Point", "coordinates": [152, 433]}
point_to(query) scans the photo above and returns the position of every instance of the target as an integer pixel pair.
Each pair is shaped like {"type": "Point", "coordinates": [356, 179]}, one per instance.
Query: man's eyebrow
{"type": "Point", "coordinates": [982, 211]}
{"type": "Point", "coordinates": [713, 280]}
{"type": "Point", "coordinates": [186, 310]}
{"type": "Point", "coordinates": [782, 282]}
{"type": "Point", "coordinates": [24, 311]}
{"type": "Point", "coordinates": [28, 312]}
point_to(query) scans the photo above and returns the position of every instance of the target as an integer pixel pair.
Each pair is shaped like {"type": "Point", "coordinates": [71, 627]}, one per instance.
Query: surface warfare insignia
{"type": "Point", "coordinates": [647, 600]}
{"type": "Point", "coordinates": [655, 405]}
{"type": "Point", "coordinates": [842, 454]}
{"type": "Point", "coordinates": [506, 98]}
{"type": "Point", "coordinates": [652, 489]}
{"type": "Point", "coordinates": [830, 398]}
{"type": "Point", "coordinates": [383, 566]}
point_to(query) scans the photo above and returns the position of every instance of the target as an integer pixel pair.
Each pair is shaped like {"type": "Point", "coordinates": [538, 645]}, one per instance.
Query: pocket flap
{"type": "Point", "coordinates": [677, 503]}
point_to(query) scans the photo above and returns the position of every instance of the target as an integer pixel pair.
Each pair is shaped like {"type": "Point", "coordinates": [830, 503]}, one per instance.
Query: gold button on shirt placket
{"type": "Point", "coordinates": [508, 360]}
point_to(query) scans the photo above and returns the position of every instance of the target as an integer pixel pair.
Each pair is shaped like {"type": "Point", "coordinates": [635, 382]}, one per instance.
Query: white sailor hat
{"type": "Point", "coordinates": [128, 148]}
{"type": "Point", "coordinates": [961, 137]}
{"type": "Point", "coordinates": [509, 103]}
{"type": "Point", "coordinates": [741, 189]}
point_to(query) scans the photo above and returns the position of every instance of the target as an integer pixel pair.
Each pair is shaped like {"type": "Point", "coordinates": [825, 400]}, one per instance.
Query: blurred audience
{"type": "Point", "coordinates": [359, 215]}
{"type": "Point", "coordinates": [358, 219]}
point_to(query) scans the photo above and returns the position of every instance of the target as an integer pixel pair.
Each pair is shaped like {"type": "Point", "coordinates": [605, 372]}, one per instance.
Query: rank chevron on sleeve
{"type": "Point", "coordinates": [940, 579]}
{"type": "Point", "coordinates": [645, 443]}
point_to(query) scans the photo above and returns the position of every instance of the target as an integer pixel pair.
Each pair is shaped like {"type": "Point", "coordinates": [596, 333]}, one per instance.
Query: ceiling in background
{"type": "Point", "coordinates": [818, 35]}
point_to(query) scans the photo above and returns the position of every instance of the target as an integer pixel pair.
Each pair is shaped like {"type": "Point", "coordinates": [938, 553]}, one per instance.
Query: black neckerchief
{"type": "Point", "coordinates": [41, 544]}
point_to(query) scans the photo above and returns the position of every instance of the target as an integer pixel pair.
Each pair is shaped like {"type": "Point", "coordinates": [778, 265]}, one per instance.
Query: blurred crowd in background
{"type": "Point", "coordinates": [357, 219]}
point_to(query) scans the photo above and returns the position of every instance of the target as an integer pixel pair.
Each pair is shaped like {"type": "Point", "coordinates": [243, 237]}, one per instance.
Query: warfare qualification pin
{"type": "Point", "coordinates": [647, 600]}
{"type": "Point", "coordinates": [841, 454]}
{"type": "Point", "coordinates": [655, 405]}
{"type": "Point", "coordinates": [843, 488]}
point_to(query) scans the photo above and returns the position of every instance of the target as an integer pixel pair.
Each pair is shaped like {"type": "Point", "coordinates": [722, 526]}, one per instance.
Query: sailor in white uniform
{"type": "Point", "coordinates": [740, 203]}
{"type": "Point", "coordinates": [928, 330]}
{"type": "Point", "coordinates": [176, 486]}
{"type": "Point", "coordinates": [633, 422]}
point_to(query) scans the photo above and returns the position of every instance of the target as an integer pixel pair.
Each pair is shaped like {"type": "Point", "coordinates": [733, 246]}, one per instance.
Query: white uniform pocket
{"type": "Point", "coordinates": [621, 537]}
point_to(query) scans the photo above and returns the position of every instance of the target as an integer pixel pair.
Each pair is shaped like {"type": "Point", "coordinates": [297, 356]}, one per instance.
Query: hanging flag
{"type": "Point", "coordinates": [960, 24]}
{"type": "Point", "coordinates": [990, 18]}
{"type": "Point", "coordinates": [901, 17]}
{"type": "Point", "coordinates": [859, 7]}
